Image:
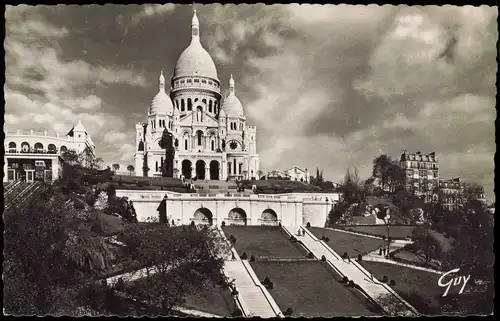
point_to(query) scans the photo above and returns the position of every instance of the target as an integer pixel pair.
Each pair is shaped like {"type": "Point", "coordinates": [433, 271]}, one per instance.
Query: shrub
{"type": "Point", "coordinates": [266, 281]}
{"type": "Point", "coordinates": [79, 205]}
{"type": "Point", "coordinates": [310, 255]}
{"type": "Point", "coordinates": [279, 224]}
{"type": "Point", "coordinates": [270, 285]}
{"type": "Point", "coordinates": [344, 256]}
{"type": "Point", "coordinates": [223, 224]}
{"type": "Point", "coordinates": [323, 258]}
{"type": "Point", "coordinates": [380, 252]}
{"type": "Point", "coordinates": [252, 258]}
{"type": "Point", "coordinates": [383, 237]}
{"type": "Point", "coordinates": [308, 225]}
{"type": "Point", "coordinates": [288, 312]}
{"type": "Point", "coordinates": [244, 256]}
{"type": "Point", "coordinates": [351, 283]}
{"type": "Point", "coordinates": [192, 224]}
{"type": "Point", "coordinates": [235, 292]}
{"type": "Point", "coordinates": [323, 238]}
{"type": "Point", "coordinates": [327, 239]}
{"type": "Point", "coordinates": [392, 283]}
{"type": "Point", "coordinates": [360, 257]}
{"type": "Point", "coordinates": [385, 279]}
{"type": "Point", "coordinates": [237, 313]}
{"type": "Point", "coordinates": [345, 279]}
{"type": "Point", "coordinates": [292, 238]}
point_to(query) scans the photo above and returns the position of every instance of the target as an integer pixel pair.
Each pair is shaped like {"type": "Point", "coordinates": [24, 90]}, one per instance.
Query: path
{"type": "Point", "coordinates": [376, 290]}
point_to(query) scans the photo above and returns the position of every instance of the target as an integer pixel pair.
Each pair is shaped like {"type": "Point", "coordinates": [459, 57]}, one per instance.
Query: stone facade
{"type": "Point", "coordinates": [212, 137]}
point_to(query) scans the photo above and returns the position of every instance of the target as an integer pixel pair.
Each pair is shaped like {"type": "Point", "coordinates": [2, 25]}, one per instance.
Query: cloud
{"type": "Point", "coordinates": [150, 10]}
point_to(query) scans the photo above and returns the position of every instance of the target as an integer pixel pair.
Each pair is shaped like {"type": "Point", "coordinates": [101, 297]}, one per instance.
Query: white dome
{"type": "Point", "coordinates": [195, 61]}
{"type": "Point", "coordinates": [161, 104]}
{"type": "Point", "coordinates": [232, 106]}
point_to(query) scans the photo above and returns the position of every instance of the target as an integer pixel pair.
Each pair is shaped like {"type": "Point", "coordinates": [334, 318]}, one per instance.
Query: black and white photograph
{"type": "Point", "coordinates": [215, 160]}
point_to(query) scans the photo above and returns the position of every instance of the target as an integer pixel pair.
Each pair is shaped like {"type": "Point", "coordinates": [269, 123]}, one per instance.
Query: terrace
{"type": "Point", "coordinates": [264, 242]}
{"type": "Point", "coordinates": [149, 183]}
{"type": "Point", "coordinates": [311, 289]}
{"type": "Point", "coordinates": [395, 232]}
{"type": "Point", "coordinates": [279, 186]}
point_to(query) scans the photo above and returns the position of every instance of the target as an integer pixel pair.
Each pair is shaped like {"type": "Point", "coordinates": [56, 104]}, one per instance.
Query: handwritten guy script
{"type": "Point", "coordinates": [456, 281]}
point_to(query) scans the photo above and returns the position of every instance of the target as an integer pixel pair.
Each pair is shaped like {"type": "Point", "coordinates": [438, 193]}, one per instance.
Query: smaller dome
{"type": "Point", "coordinates": [161, 104]}
{"type": "Point", "coordinates": [232, 105]}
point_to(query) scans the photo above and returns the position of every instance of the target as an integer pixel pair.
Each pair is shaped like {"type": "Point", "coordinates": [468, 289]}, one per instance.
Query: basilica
{"type": "Point", "coordinates": [212, 139]}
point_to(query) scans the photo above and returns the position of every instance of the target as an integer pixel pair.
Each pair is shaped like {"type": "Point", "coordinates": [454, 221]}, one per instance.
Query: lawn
{"type": "Point", "coordinates": [342, 242]}
{"type": "Point", "coordinates": [212, 299]}
{"type": "Point", "coordinates": [419, 288]}
{"type": "Point", "coordinates": [264, 241]}
{"type": "Point", "coordinates": [400, 232]}
{"type": "Point", "coordinates": [311, 289]}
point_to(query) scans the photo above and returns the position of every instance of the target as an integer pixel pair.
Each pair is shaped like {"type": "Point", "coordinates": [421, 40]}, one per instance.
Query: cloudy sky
{"type": "Point", "coordinates": [327, 86]}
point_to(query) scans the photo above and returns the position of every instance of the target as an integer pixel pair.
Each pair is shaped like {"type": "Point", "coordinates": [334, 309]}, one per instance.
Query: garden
{"type": "Point", "coordinates": [342, 242]}
{"type": "Point", "coordinates": [263, 241]}
{"type": "Point", "coordinates": [309, 289]}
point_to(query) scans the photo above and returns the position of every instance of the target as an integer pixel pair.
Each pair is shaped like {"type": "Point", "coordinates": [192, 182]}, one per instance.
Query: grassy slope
{"type": "Point", "coordinates": [395, 231]}
{"type": "Point", "coordinates": [213, 300]}
{"type": "Point", "coordinates": [419, 288]}
{"type": "Point", "coordinates": [263, 241]}
{"type": "Point", "coordinates": [342, 242]}
{"type": "Point", "coordinates": [310, 289]}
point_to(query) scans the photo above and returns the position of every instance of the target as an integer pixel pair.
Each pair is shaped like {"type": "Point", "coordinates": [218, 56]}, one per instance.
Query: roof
{"type": "Point", "coordinates": [295, 167]}
{"type": "Point", "coordinates": [232, 105]}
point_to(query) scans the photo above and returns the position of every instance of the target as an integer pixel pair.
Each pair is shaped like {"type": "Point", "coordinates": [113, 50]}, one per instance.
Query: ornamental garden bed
{"type": "Point", "coordinates": [263, 241]}
{"type": "Point", "coordinates": [311, 290]}
{"type": "Point", "coordinates": [342, 242]}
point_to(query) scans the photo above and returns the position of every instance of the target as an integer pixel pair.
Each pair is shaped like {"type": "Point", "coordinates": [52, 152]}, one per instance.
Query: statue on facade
{"type": "Point", "coordinates": [223, 144]}
{"type": "Point", "coordinates": [167, 143]}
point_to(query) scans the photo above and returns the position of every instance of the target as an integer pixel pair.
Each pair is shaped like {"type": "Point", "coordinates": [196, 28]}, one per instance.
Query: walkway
{"type": "Point", "coordinates": [253, 296]}
{"type": "Point", "coordinates": [378, 291]}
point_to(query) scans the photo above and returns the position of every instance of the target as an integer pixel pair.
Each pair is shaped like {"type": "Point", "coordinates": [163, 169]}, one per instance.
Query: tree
{"type": "Point", "coordinates": [116, 167]}
{"type": "Point", "coordinates": [259, 173]}
{"type": "Point", "coordinates": [425, 241]}
{"type": "Point", "coordinates": [51, 251]}
{"type": "Point", "coordinates": [130, 168]}
{"type": "Point", "coordinates": [380, 171]}
{"type": "Point", "coordinates": [179, 261]}
{"type": "Point", "coordinates": [383, 213]}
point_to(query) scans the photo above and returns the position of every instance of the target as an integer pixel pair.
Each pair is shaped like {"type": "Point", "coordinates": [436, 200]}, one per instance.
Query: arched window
{"type": "Point", "coordinates": [25, 147]}
{"type": "Point", "coordinates": [52, 148]}
{"type": "Point", "coordinates": [199, 134]}
{"type": "Point", "coordinates": [183, 108]}
{"type": "Point", "coordinates": [12, 147]}
{"type": "Point", "coordinates": [240, 168]}
{"type": "Point", "coordinates": [210, 106]}
{"type": "Point", "coordinates": [185, 144]}
{"type": "Point", "coordinates": [63, 149]}
{"type": "Point", "coordinates": [213, 145]}
{"type": "Point", "coordinates": [204, 101]}
{"type": "Point", "coordinates": [177, 103]}
{"type": "Point", "coordinates": [38, 146]}
{"type": "Point", "coordinates": [229, 168]}
{"type": "Point", "coordinates": [156, 166]}
{"type": "Point", "coordinates": [190, 104]}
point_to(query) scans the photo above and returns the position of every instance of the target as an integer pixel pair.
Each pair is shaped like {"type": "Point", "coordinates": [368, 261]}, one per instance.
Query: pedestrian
{"type": "Point", "coordinates": [348, 258]}
{"type": "Point", "coordinates": [371, 276]}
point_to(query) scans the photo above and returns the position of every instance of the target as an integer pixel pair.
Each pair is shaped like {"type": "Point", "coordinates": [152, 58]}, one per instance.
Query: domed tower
{"type": "Point", "coordinates": [236, 121]}
{"type": "Point", "coordinates": [195, 84]}
{"type": "Point", "coordinates": [161, 109]}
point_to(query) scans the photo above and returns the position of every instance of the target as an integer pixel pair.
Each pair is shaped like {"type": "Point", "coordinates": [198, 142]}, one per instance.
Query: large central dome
{"type": "Point", "coordinates": [195, 60]}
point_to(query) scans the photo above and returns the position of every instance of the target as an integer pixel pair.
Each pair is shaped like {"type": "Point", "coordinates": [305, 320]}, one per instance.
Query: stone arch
{"type": "Point", "coordinates": [269, 217]}
{"type": "Point", "coordinates": [25, 146]}
{"type": "Point", "coordinates": [210, 106]}
{"type": "Point", "coordinates": [63, 149]}
{"type": "Point", "coordinates": [187, 168]}
{"type": "Point", "coordinates": [189, 104]}
{"type": "Point", "coordinates": [183, 105]}
{"type": "Point", "coordinates": [214, 170]}
{"type": "Point", "coordinates": [199, 138]}
{"type": "Point", "coordinates": [12, 147]}
{"type": "Point", "coordinates": [200, 169]}
{"type": "Point", "coordinates": [237, 216]}
{"type": "Point", "coordinates": [203, 216]}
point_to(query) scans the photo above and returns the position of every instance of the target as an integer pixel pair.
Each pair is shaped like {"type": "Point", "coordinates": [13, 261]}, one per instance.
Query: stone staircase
{"type": "Point", "coordinates": [252, 298]}
{"type": "Point", "coordinates": [381, 293]}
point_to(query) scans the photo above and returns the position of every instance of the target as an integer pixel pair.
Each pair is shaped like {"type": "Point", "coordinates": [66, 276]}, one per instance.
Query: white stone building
{"type": "Point", "coordinates": [298, 174]}
{"type": "Point", "coordinates": [211, 134]}
{"type": "Point", "coordinates": [37, 155]}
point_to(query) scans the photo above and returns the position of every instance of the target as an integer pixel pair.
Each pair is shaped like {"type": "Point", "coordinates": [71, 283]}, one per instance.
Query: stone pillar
{"type": "Point", "coordinates": [193, 170]}
{"type": "Point", "coordinates": [55, 169]}
{"type": "Point", "coordinates": [151, 165]}
{"type": "Point", "coordinates": [207, 173]}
